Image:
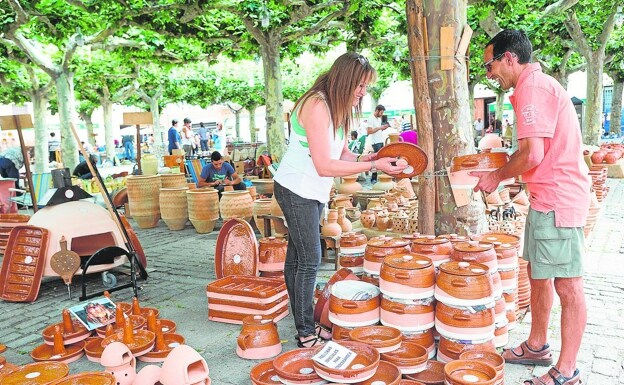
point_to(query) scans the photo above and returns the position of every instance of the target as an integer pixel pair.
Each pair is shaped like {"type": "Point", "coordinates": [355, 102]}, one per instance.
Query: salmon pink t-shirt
{"type": "Point", "coordinates": [561, 182]}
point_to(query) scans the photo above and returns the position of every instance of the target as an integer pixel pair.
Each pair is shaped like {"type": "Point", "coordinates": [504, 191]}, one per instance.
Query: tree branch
{"type": "Point", "coordinates": [608, 28]}
{"type": "Point", "coordinates": [558, 8]}
{"type": "Point", "coordinates": [576, 33]}
{"type": "Point", "coordinates": [34, 50]}
{"type": "Point", "coordinates": [306, 11]}
{"type": "Point", "coordinates": [324, 23]}
{"type": "Point", "coordinates": [490, 25]}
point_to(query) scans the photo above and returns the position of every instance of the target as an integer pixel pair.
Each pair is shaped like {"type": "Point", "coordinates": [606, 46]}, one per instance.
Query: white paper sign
{"type": "Point", "coordinates": [335, 356]}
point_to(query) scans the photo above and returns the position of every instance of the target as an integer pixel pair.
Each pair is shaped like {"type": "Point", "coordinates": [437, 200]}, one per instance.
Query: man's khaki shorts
{"type": "Point", "coordinates": [552, 251]}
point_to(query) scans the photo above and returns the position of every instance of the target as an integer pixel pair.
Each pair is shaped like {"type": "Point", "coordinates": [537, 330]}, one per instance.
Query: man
{"type": "Point", "coordinates": [375, 132]}
{"type": "Point", "coordinates": [174, 137]}
{"type": "Point", "coordinates": [203, 137]}
{"type": "Point", "coordinates": [53, 145]}
{"type": "Point", "coordinates": [11, 160]}
{"type": "Point", "coordinates": [355, 145]}
{"type": "Point", "coordinates": [478, 128]}
{"type": "Point", "coordinates": [128, 144]}
{"type": "Point", "coordinates": [549, 158]}
{"type": "Point", "coordinates": [219, 174]}
{"type": "Point", "coordinates": [187, 137]}
{"type": "Point", "coordinates": [82, 170]}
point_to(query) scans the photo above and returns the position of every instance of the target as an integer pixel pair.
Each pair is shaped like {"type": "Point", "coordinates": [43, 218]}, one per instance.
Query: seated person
{"type": "Point", "coordinates": [82, 169]}
{"type": "Point", "coordinates": [219, 174]}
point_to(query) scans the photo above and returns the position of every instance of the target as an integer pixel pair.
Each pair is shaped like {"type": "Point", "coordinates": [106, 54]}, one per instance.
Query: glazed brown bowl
{"type": "Point", "coordinates": [432, 375]}
{"type": "Point", "coordinates": [463, 372]}
{"type": "Point", "coordinates": [296, 366]}
{"type": "Point", "coordinates": [449, 350]}
{"type": "Point", "coordinates": [387, 373]}
{"type": "Point", "coordinates": [409, 358]}
{"type": "Point", "coordinates": [493, 359]}
{"type": "Point", "coordinates": [383, 338]}
{"type": "Point", "coordinates": [361, 368]}
{"type": "Point", "coordinates": [264, 374]}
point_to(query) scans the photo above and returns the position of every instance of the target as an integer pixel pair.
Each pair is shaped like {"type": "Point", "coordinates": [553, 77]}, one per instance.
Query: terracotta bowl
{"type": "Point", "coordinates": [361, 368]}
{"type": "Point", "coordinates": [449, 350]}
{"type": "Point", "coordinates": [387, 374]}
{"type": "Point", "coordinates": [432, 375]}
{"type": "Point", "coordinates": [426, 339]}
{"type": "Point", "coordinates": [44, 372]}
{"type": "Point", "coordinates": [264, 374]}
{"type": "Point", "coordinates": [461, 372]}
{"type": "Point", "coordinates": [340, 333]}
{"type": "Point", "coordinates": [93, 349]}
{"type": "Point", "coordinates": [493, 359]}
{"type": "Point", "coordinates": [296, 367]}
{"type": "Point", "coordinates": [48, 353]}
{"type": "Point", "coordinates": [409, 358]}
{"type": "Point", "coordinates": [384, 338]}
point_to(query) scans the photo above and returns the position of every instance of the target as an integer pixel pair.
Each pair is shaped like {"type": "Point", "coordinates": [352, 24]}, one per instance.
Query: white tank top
{"type": "Point", "coordinates": [296, 171]}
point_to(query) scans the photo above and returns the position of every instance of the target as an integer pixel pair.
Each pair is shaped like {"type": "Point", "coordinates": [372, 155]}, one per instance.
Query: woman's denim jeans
{"type": "Point", "coordinates": [303, 255]}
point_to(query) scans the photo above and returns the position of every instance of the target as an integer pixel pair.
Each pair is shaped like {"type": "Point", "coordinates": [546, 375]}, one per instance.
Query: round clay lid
{"type": "Point", "coordinates": [257, 320]}
{"type": "Point", "coordinates": [414, 156]}
{"type": "Point", "coordinates": [237, 249]}
{"type": "Point", "coordinates": [407, 261]}
{"type": "Point", "coordinates": [430, 240]}
{"type": "Point", "coordinates": [502, 246]}
{"type": "Point", "coordinates": [411, 237]}
{"type": "Point", "coordinates": [497, 237]}
{"type": "Point", "coordinates": [472, 247]}
{"type": "Point", "coordinates": [88, 378]}
{"type": "Point", "coordinates": [273, 241]}
{"type": "Point", "coordinates": [464, 269]}
{"type": "Point", "coordinates": [388, 242]}
{"type": "Point", "coordinates": [352, 239]}
{"type": "Point", "coordinates": [37, 373]}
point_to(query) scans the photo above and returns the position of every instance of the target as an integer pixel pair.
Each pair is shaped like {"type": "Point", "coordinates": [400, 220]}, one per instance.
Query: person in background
{"type": "Point", "coordinates": [219, 138]}
{"type": "Point", "coordinates": [187, 137]}
{"type": "Point", "coordinates": [550, 160]}
{"type": "Point", "coordinates": [203, 137]}
{"type": "Point", "coordinates": [478, 128]}
{"type": "Point", "coordinates": [375, 132]}
{"type": "Point", "coordinates": [174, 137]}
{"type": "Point", "coordinates": [409, 135]}
{"type": "Point", "coordinates": [219, 173]}
{"type": "Point", "coordinates": [321, 121]}
{"type": "Point", "coordinates": [82, 170]}
{"type": "Point", "coordinates": [405, 124]}
{"type": "Point", "coordinates": [11, 160]}
{"type": "Point", "coordinates": [128, 144]}
{"type": "Point", "coordinates": [355, 145]}
{"type": "Point", "coordinates": [53, 145]}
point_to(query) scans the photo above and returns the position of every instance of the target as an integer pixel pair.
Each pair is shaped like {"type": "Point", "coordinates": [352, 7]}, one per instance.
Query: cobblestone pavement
{"type": "Point", "coordinates": [181, 264]}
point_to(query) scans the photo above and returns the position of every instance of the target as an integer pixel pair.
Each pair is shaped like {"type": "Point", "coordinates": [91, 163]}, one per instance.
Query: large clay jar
{"type": "Point", "coordinates": [252, 192]}
{"type": "Point", "coordinates": [349, 185]}
{"type": "Point", "coordinates": [236, 204]}
{"type": "Point", "coordinates": [174, 207]}
{"type": "Point", "coordinates": [384, 183]}
{"type": "Point", "coordinates": [258, 338]}
{"type": "Point", "coordinates": [261, 207]}
{"type": "Point", "coordinates": [143, 198]}
{"type": "Point", "coordinates": [367, 219]}
{"type": "Point", "coordinates": [331, 228]}
{"type": "Point", "coordinates": [343, 221]}
{"type": "Point", "coordinates": [173, 180]}
{"type": "Point", "coordinates": [263, 186]}
{"type": "Point", "coordinates": [374, 203]}
{"type": "Point", "coordinates": [272, 254]}
{"type": "Point", "coordinates": [149, 164]}
{"type": "Point", "coordinates": [203, 208]}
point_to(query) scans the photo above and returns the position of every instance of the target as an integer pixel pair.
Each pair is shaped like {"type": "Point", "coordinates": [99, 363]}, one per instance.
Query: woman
{"type": "Point", "coordinates": [321, 121]}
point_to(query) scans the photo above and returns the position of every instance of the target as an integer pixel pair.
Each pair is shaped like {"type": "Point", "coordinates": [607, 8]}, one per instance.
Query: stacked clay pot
{"type": "Point", "coordinates": [261, 207]}
{"type": "Point", "coordinates": [465, 306]}
{"type": "Point", "coordinates": [203, 208]}
{"type": "Point", "coordinates": [143, 199]}
{"type": "Point", "coordinates": [438, 249]}
{"type": "Point", "coordinates": [426, 339]}
{"type": "Point", "coordinates": [236, 204]}
{"type": "Point", "coordinates": [352, 248]}
{"type": "Point", "coordinates": [599, 173]}
{"type": "Point", "coordinates": [361, 369]}
{"type": "Point", "coordinates": [377, 249]}
{"type": "Point", "coordinates": [450, 350]}
{"type": "Point", "coordinates": [354, 303]}
{"type": "Point", "coordinates": [410, 358]}
{"type": "Point", "coordinates": [174, 207]}
{"type": "Point", "coordinates": [272, 256]}
{"type": "Point", "coordinates": [385, 339]}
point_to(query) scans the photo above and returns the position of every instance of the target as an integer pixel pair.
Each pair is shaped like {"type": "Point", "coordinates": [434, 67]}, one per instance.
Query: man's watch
{"type": "Point", "coordinates": [373, 168]}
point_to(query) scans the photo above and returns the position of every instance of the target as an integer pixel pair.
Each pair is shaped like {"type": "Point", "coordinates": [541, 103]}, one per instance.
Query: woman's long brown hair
{"type": "Point", "coordinates": [338, 86]}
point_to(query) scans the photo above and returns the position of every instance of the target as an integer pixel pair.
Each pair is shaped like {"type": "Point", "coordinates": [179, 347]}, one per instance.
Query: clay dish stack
{"type": "Point", "coordinates": [297, 367]}
{"type": "Point", "coordinates": [424, 338]}
{"type": "Point", "coordinates": [352, 249]}
{"type": "Point", "coordinates": [38, 373]}
{"type": "Point", "coordinates": [493, 359]}
{"type": "Point", "coordinates": [362, 368]}
{"type": "Point", "coordinates": [463, 372]}
{"type": "Point", "coordinates": [437, 249]}
{"type": "Point", "coordinates": [58, 352]}
{"type": "Point", "coordinates": [354, 303]}
{"type": "Point", "coordinates": [377, 249]}
{"type": "Point", "coordinates": [410, 358]}
{"type": "Point", "coordinates": [385, 339]}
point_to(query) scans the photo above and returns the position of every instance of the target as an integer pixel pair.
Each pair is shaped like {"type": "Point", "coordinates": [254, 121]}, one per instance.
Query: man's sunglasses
{"type": "Point", "coordinates": [488, 65]}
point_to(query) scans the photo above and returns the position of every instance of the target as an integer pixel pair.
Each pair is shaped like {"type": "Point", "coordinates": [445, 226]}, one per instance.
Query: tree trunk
{"type": "Point", "coordinates": [422, 106]}
{"type": "Point", "coordinates": [40, 104]}
{"type": "Point", "coordinates": [252, 123]}
{"type": "Point", "coordinates": [109, 140]}
{"type": "Point", "coordinates": [159, 134]}
{"type": "Point", "coordinates": [237, 114]}
{"type": "Point", "coordinates": [593, 107]}
{"type": "Point", "coordinates": [450, 116]}
{"type": "Point", "coordinates": [616, 105]}
{"type": "Point", "coordinates": [86, 117]}
{"type": "Point", "coordinates": [500, 104]}
{"type": "Point", "coordinates": [274, 97]}
{"type": "Point", "coordinates": [65, 98]}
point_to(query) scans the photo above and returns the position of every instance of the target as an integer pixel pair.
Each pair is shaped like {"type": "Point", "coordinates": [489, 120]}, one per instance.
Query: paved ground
{"type": "Point", "coordinates": [181, 264]}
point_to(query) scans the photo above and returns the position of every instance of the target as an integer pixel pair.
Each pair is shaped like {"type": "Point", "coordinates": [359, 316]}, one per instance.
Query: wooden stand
{"type": "Point", "coordinates": [138, 118]}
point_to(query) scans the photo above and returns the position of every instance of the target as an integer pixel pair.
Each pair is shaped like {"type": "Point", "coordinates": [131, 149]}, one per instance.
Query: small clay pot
{"type": "Point", "coordinates": [352, 243]}
{"type": "Point", "coordinates": [367, 219]}
{"type": "Point", "coordinates": [258, 338]}
{"type": "Point", "coordinates": [438, 249]}
{"type": "Point", "coordinates": [380, 247]}
{"type": "Point", "coordinates": [384, 338]}
{"type": "Point", "coordinates": [476, 252]}
{"type": "Point", "coordinates": [272, 253]}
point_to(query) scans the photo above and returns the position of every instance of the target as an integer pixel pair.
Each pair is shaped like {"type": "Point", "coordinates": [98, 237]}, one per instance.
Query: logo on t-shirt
{"type": "Point", "coordinates": [529, 112]}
